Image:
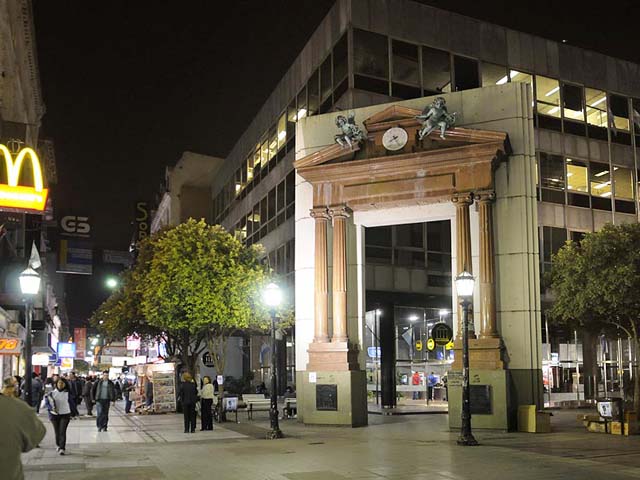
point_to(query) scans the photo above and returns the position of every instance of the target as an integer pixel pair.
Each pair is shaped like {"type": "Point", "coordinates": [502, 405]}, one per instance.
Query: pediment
{"type": "Point", "coordinates": [395, 115]}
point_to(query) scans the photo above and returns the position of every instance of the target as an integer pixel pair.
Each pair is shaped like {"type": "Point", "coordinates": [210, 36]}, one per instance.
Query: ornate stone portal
{"type": "Point", "coordinates": [457, 168]}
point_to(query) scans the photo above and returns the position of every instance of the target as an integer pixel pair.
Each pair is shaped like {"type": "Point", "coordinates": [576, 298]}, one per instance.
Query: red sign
{"type": "Point", "coordinates": [10, 346]}
{"type": "Point", "coordinates": [80, 337]}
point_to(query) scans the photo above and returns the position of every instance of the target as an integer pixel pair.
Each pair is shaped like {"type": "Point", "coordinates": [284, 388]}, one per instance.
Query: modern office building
{"type": "Point", "coordinates": [585, 128]}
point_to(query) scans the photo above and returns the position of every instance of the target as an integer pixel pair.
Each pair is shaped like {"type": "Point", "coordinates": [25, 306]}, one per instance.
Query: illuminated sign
{"type": "Point", "coordinates": [17, 196]}
{"type": "Point", "coordinates": [66, 350]}
{"type": "Point", "coordinates": [10, 346]}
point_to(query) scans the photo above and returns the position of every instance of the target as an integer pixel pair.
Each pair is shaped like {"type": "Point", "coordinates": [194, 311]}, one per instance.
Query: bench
{"type": "Point", "coordinates": [255, 402]}
{"type": "Point", "coordinates": [290, 407]}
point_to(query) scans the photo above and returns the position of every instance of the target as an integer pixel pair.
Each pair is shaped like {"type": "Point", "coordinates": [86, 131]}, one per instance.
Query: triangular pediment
{"type": "Point", "coordinates": [395, 115]}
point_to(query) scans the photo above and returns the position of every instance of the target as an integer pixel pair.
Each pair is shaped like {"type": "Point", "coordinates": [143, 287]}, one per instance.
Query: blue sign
{"type": "Point", "coordinates": [66, 350]}
{"type": "Point", "coordinates": [374, 352]}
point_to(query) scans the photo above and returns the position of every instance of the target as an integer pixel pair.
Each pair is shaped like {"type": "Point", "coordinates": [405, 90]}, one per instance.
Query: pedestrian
{"type": "Point", "coordinates": [118, 388]}
{"type": "Point", "coordinates": [19, 392]}
{"type": "Point", "coordinates": [60, 404]}
{"type": "Point", "coordinates": [86, 395]}
{"type": "Point", "coordinates": [432, 381]}
{"type": "Point", "coordinates": [188, 396]}
{"type": "Point", "coordinates": [206, 402]}
{"type": "Point", "coordinates": [22, 431]}
{"type": "Point", "coordinates": [415, 381]}
{"type": "Point", "coordinates": [10, 387]}
{"type": "Point", "coordinates": [104, 393]}
{"type": "Point", "coordinates": [127, 387]}
{"type": "Point", "coordinates": [75, 392]}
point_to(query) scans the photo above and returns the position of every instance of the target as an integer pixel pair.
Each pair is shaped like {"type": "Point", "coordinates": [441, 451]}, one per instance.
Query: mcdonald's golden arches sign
{"type": "Point", "coordinates": [22, 197]}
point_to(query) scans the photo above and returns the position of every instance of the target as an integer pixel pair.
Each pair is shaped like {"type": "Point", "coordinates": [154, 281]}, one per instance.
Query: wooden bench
{"type": "Point", "coordinates": [290, 406]}
{"type": "Point", "coordinates": [255, 402]}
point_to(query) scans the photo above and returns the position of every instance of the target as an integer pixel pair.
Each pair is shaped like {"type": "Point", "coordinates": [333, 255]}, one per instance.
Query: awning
{"type": "Point", "coordinates": [47, 350]}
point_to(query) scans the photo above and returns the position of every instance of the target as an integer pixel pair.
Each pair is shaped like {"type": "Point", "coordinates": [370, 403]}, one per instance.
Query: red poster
{"type": "Point", "coordinates": [80, 337]}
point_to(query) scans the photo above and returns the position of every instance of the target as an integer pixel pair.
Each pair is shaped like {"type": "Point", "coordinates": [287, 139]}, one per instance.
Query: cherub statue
{"type": "Point", "coordinates": [434, 116]}
{"type": "Point", "coordinates": [350, 133]}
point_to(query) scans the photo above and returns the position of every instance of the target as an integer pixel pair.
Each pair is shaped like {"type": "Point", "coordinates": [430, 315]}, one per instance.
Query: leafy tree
{"type": "Point", "coordinates": [203, 285]}
{"type": "Point", "coordinates": [595, 284]}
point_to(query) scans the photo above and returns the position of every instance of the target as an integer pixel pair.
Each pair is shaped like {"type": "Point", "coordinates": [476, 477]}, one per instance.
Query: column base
{"type": "Point", "coordinates": [332, 398]}
{"type": "Point", "coordinates": [332, 357]}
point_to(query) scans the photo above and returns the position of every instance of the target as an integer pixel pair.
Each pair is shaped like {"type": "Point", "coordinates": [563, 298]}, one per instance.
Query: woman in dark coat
{"type": "Point", "coordinates": [188, 396]}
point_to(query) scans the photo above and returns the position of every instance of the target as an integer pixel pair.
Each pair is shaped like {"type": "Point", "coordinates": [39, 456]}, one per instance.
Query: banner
{"type": "Point", "coordinates": [22, 198]}
{"type": "Point", "coordinates": [75, 256]}
{"type": "Point", "coordinates": [80, 338]}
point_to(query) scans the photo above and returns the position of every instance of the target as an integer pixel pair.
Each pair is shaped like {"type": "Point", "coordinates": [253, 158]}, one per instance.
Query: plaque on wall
{"type": "Point", "coordinates": [480, 399]}
{"type": "Point", "coordinates": [326, 397]}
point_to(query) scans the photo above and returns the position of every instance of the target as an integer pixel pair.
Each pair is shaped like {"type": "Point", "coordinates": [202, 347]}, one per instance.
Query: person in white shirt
{"type": "Point", "coordinates": [206, 402]}
{"type": "Point", "coordinates": [60, 404]}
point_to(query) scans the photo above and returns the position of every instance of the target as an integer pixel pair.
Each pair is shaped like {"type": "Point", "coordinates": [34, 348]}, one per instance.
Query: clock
{"type": "Point", "coordinates": [395, 139]}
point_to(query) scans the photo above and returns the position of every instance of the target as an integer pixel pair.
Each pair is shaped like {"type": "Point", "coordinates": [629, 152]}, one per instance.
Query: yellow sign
{"type": "Point", "coordinates": [431, 344]}
{"type": "Point", "coordinates": [419, 345]}
{"type": "Point", "coordinates": [17, 196]}
{"type": "Point", "coordinates": [66, 363]}
{"type": "Point", "coordinates": [449, 346]}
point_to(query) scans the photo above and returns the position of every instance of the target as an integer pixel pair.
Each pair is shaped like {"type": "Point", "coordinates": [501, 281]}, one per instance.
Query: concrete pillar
{"type": "Point", "coordinates": [488, 325]}
{"type": "Point", "coordinates": [463, 248]}
{"type": "Point", "coordinates": [339, 214]}
{"type": "Point", "coordinates": [321, 322]}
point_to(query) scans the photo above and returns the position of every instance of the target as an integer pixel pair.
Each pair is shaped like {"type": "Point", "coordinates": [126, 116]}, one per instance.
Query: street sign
{"type": "Point", "coordinates": [419, 345]}
{"type": "Point", "coordinates": [431, 344]}
{"type": "Point", "coordinates": [442, 334]}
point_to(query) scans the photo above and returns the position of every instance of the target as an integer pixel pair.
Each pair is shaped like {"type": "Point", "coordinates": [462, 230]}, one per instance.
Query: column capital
{"type": "Point", "coordinates": [465, 198]}
{"type": "Point", "coordinates": [340, 211]}
{"type": "Point", "coordinates": [319, 213]}
{"type": "Point", "coordinates": [485, 196]}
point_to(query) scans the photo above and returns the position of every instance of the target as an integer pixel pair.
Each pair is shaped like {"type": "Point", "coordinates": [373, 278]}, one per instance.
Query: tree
{"type": "Point", "coordinates": [595, 284]}
{"type": "Point", "coordinates": [203, 285]}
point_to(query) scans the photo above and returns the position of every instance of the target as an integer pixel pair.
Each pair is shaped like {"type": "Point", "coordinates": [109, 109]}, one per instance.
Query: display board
{"type": "Point", "coordinates": [164, 392]}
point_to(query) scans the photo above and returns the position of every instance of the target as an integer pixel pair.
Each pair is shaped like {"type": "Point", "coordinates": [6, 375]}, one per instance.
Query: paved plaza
{"type": "Point", "coordinates": [392, 447]}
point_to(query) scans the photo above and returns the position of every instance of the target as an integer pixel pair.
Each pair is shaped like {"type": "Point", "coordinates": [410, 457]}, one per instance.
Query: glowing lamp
{"type": "Point", "coordinates": [464, 285]}
{"type": "Point", "coordinates": [272, 295]}
{"type": "Point", "coordinates": [29, 282]}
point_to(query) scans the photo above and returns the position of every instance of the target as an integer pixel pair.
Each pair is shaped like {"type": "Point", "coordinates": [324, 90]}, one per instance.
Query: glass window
{"type": "Point", "coordinates": [256, 217]}
{"type": "Point", "coordinates": [548, 96]}
{"type": "Point", "coordinates": [492, 73]}
{"type": "Point", "coordinates": [551, 171]}
{"type": "Point", "coordinates": [378, 236]}
{"type": "Point", "coordinates": [282, 131]}
{"type": "Point", "coordinates": [436, 71]}
{"type": "Point", "coordinates": [620, 112]}
{"type": "Point", "coordinates": [340, 62]}
{"type": "Point", "coordinates": [370, 52]}
{"type": "Point", "coordinates": [572, 102]}
{"type": "Point", "coordinates": [409, 235]}
{"type": "Point", "coordinates": [280, 196]}
{"type": "Point", "coordinates": [465, 73]}
{"type": "Point", "coordinates": [250, 167]}
{"type": "Point", "coordinates": [405, 63]}
{"type": "Point", "coordinates": [409, 258]}
{"type": "Point", "coordinates": [292, 118]}
{"type": "Point", "coordinates": [273, 143]}
{"type": "Point", "coordinates": [303, 108]}
{"type": "Point", "coordinates": [577, 176]}
{"type": "Point", "coordinates": [291, 187]}
{"type": "Point", "coordinates": [600, 180]}
{"type": "Point", "coordinates": [264, 217]}
{"type": "Point", "coordinates": [623, 183]}
{"type": "Point", "coordinates": [635, 113]}
{"type": "Point", "coordinates": [326, 83]}
{"type": "Point", "coordinates": [552, 240]}
{"type": "Point", "coordinates": [271, 212]}
{"type": "Point", "coordinates": [313, 87]}
{"type": "Point", "coordinates": [596, 107]}
{"type": "Point", "coordinates": [439, 236]}
{"type": "Point", "coordinates": [264, 154]}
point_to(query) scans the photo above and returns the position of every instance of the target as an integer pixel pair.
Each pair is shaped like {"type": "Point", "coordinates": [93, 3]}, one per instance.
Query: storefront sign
{"type": "Point", "coordinates": [75, 255]}
{"type": "Point", "coordinates": [419, 345]}
{"type": "Point", "coordinates": [80, 337]}
{"type": "Point", "coordinates": [143, 223]}
{"type": "Point", "coordinates": [66, 350]}
{"type": "Point", "coordinates": [431, 344]}
{"type": "Point", "coordinates": [21, 197]}
{"type": "Point", "coordinates": [66, 363]}
{"type": "Point", "coordinates": [441, 334]}
{"type": "Point", "coordinates": [10, 346]}
{"type": "Point", "coordinates": [207, 360]}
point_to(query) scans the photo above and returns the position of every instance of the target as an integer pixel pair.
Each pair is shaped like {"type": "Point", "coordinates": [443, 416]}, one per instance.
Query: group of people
{"type": "Point", "coordinates": [189, 395]}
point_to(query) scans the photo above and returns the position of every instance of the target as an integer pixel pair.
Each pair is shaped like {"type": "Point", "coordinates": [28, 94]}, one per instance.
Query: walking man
{"type": "Point", "coordinates": [86, 395]}
{"type": "Point", "coordinates": [104, 393]}
{"type": "Point", "coordinates": [127, 386]}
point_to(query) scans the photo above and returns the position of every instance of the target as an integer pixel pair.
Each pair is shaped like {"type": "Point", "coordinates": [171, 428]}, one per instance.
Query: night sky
{"type": "Point", "coordinates": [130, 84]}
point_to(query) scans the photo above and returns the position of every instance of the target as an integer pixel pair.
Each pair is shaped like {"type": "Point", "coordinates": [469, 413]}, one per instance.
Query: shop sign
{"type": "Point", "coordinates": [21, 197]}
{"type": "Point", "coordinates": [80, 336]}
{"type": "Point", "coordinates": [66, 350]}
{"type": "Point", "coordinates": [66, 363]}
{"type": "Point", "coordinates": [10, 346]}
{"type": "Point", "coordinates": [442, 334]}
{"type": "Point", "coordinates": [431, 344]}
{"type": "Point", "coordinates": [419, 345]}
{"type": "Point", "coordinates": [207, 360]}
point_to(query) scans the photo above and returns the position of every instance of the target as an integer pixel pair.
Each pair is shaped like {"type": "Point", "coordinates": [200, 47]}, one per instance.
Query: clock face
{"type": "Point", "coordinates": [395, 138]}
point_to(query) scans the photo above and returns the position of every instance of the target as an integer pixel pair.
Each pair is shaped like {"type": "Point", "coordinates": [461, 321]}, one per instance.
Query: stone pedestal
{"type": "Point", "coordinates": [484, 354]}
{"type": "Point", "coordinates": [317, 406]}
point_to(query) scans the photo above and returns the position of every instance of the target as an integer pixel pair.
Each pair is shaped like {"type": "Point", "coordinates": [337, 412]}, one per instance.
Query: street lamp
{"type": "Point", "coordinates": [464, 287]}
{"type": "Point", "coordinates": [29, 285]}
{"type": "Point", "coordinates": [111, 283]}
{"type": "Point", "coordinates": [272, 297]}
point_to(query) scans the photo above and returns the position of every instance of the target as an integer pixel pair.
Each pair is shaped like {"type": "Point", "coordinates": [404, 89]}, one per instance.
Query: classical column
{"type": "Point", "coordinates": [321, 321]}
{"type": "Point", "coordinates": [339, 215]}
{"type": "Point", "coordinates": [463, 248]}
{"type": "Point", "coordinates": [488, 328]}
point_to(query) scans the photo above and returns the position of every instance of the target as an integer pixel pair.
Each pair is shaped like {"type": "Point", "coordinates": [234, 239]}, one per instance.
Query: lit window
{"type": "Point", "coordinates": [620, 112]}
{"type": "Point", "coordinates": [313, 87]}
{"type": "Point", "coordinates": [577, 176]}
{"type": "Point", "coordinates": [370, 52]}
{"type": "Point", "coordinates": [623, 182]}
{"type": "Point", "coordinates": [572, 102]}
{"type": "Point", "coordinates": [273, 143]}
{"type": "Point", "coordinates": [548, 96]}
{"type": "Point", "coordinates": [596, 107]}
{"type": "Point", "coordinates": [600, 180]}
{"type": "Point", "coordinates": [551, 171]}
{"type": "Point", "coordinates": [282, 131]}
{"type": "Point", "coordinates": [302, 105]}
{"type": "Point", "coordinates": [250, 168]}
{"type": "Point", "coordinates": [264, 154]}
{"type": "Point", "coordinates": [492, 73]}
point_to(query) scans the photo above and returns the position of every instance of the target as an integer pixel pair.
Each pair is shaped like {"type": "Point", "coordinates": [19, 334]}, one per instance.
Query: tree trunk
{"type": "Point", "coordinates": [218, 349]}
{"type": "Point", "coordinates": [636, 382]}
{"type": "Point", "coordinates": [590, 364]}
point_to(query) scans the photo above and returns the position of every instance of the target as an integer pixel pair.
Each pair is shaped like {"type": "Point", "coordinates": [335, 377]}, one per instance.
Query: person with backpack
{"type": "Point", "coordinates": [60, 404]}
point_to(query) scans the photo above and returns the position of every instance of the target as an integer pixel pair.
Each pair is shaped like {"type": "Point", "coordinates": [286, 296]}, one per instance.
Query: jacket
{"type": "Point", "coordinates": [188, 393]}
{"type": "Point", "coordinates": [86, 390]}
{"type": "Point", "coordinates": [111, 389]}
{"type": "Point", "coordinates": [21, 431]}
{"type": "Point", "coordinates": [60, 403]}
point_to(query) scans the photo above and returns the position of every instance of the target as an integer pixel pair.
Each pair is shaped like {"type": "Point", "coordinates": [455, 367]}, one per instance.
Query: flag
{"type": "Point", "coordinates": [34, 259]}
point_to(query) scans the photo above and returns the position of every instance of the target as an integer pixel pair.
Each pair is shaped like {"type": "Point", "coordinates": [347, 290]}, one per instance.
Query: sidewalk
{"type": "Point", "coordinates": [410, 447]}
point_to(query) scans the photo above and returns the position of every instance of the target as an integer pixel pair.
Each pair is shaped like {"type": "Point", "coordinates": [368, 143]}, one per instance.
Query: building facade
{"type": "Point", "coordinates": [586, 128]}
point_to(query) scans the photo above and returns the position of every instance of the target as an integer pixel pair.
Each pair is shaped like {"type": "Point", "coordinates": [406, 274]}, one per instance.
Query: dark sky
{"type": "Point", "coordinates": [130, 84]}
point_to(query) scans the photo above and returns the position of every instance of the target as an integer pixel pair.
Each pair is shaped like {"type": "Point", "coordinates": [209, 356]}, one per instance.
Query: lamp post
{"type": "Point", "coordinates": [272, 297]}
{"type": "Point", "coordinates": [464, 287]}
{"type": "Point", "coordinates": [29, 285]}
{"type": "Point", "coordinates": [111, 283]}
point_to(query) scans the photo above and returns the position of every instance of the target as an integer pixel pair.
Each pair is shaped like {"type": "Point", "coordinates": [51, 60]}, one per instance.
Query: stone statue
{"type": "Point", "coordinates": [434, 116]}
{"type": "Point", "coordinates": [350, 133]}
